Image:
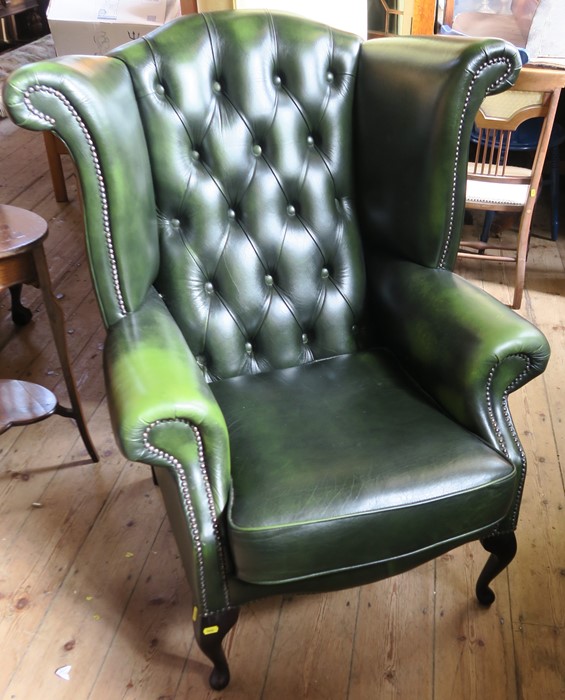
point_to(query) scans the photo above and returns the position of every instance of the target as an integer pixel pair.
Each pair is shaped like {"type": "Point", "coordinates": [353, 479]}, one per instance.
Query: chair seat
{"type": "Point", "coordinates": [496, 193]}
{"type": "Point", "coordinates": [377, 457]}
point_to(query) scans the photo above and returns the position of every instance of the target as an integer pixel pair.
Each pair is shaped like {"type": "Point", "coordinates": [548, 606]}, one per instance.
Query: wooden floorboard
{"type": "Point", "coordinates": [90, 577]}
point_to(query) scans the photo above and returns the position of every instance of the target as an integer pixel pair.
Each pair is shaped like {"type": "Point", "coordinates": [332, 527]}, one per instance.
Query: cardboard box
{"type": "Point", "coordinates": [96, 26]}
{"type": "Point", "coordinates": [533, 25]}
{"type": "Point", "coordinates": [350, 16]}
{"type": "Point", "coordinates": [512, 22]}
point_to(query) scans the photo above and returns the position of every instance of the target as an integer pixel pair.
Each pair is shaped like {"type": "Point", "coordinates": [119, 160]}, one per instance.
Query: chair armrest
{"type": "Point", "coordinates": [163, 412]}
{"type": "Point", "coordinates": [466, 349]}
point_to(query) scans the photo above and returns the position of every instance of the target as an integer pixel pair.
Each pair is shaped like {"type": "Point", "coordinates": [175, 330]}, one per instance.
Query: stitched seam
{"type": "Point", "coordinates": [484, 67]}
{"type": "Point", "coordinates": [211, 507]}
{"type": "Point", "coordinates": [508, 419]}
{"type": "Point", "coordinates": [188, 507]}
{"type": "Point", "coordinates": [100, 177]}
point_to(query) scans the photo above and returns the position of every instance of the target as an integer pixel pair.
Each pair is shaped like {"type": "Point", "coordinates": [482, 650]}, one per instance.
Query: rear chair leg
{"type": "Point", "coordinates": [210, 631]}
{"type": "Point", "coordinates": [502, 550]}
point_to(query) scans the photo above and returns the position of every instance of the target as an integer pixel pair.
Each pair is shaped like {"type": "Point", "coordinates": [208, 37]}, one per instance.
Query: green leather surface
{"type": "Point", "coordinates": [413, 131]}
{"type": "Point", "coordinates": [463, 347]}
{"type": "Point", "coordinates": [256, 169]}
{"type": "Point", "coordinates": [381, 473]}
{"type": "Point", "coordinates": [152, 377]}
{"type": "Point", "coordinates": [88, 101]}
{"type": "Point", "coordinates": [259, 192]}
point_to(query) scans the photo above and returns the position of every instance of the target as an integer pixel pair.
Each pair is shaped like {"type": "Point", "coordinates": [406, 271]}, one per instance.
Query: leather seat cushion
{"type": "Point", "coordinates": [346, 463]}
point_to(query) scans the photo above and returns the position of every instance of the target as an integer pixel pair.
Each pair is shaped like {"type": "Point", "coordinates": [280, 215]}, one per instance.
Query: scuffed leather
{"type": "Point", "coordinates": [152, 376]}
{"type": "Point", "coordinates": [157, 394]}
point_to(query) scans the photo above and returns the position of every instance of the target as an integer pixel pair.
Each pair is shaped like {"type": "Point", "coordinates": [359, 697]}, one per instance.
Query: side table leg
{"type": "Point", "coordinates": [20, 314]}
{"type": "Point", "coordinates": [57, 321]}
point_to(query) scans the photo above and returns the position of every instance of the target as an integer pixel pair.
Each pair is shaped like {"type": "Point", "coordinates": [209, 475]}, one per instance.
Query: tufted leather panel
{"type": "Point", "coordinates": [262, 157]}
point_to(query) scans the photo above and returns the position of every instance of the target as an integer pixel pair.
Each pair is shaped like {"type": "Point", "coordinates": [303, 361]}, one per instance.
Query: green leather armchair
{"type": "Point", "coordinates": [272, 213]}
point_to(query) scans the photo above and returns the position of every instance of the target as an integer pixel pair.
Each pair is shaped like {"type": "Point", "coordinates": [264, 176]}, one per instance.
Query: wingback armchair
{"type": "Point", "coordinates": [272, 213]}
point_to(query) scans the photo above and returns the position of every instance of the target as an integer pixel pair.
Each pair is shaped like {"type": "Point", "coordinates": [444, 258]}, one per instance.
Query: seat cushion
{"type": "Point", "coordinates": [509, 192]}
{"type": "Point", "coordinates": [346, 463]}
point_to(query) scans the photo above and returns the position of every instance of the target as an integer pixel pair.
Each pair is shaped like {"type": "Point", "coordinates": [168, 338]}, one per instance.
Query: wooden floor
{"type": "Point", "coordinates": [90, 578]}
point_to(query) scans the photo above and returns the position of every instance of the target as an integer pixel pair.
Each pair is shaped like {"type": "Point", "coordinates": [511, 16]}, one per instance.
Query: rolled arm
{"type": "Point", "coordinates": [161, 407]}
{"type": "Point", "coordinates": [466, 349]}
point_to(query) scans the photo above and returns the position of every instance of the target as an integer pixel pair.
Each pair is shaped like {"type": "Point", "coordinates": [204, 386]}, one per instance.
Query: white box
{"type": "Point", "coordinates": [351, 16]}
{"type": "Point", "coordinates": [96, 26]}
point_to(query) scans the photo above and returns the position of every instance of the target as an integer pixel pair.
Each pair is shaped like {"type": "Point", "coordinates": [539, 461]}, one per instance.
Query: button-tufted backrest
{"type": "Point", "coordinates": [248, 119]}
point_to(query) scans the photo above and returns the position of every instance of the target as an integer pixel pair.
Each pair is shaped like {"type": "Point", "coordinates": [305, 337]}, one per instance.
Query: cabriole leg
{"type": "Point", "coordinates": [502, 550]}
{"type": "Point", "coordinates": [210, 631]}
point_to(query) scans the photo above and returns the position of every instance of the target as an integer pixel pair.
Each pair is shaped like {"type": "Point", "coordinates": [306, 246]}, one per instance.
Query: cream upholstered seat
{"type": "Point", "coordinates": [500, 193]}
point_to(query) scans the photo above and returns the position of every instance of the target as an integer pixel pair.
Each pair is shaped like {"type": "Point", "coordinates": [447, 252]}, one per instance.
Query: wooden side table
{"type": "Point", "coordinates": [22, 261]}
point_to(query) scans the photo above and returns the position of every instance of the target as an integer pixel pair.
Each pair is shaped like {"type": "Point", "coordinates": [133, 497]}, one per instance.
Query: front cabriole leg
{"type": "Point", "coordinates": [502, 550]}
{"type": "Point", "coordinates": [210, 631]}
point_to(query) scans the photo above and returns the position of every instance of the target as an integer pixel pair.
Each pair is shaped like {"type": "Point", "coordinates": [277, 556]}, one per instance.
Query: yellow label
{"type": "Point", "coordinates": [211, 630]}
{"type": "Point", "coordinates": [532, 192]}
{"type": "Point", "coordinates": [194, 613]}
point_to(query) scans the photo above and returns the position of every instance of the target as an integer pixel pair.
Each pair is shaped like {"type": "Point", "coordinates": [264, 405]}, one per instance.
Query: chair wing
{"type": "Point", "coordinates": [322, 401]}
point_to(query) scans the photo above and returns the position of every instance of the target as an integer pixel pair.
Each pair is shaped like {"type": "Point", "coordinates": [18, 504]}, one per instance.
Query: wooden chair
{"type": "Point", "coordinates": [495, 185]}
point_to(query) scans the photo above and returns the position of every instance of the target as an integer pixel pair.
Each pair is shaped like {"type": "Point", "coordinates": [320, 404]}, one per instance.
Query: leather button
{"type": "Point", "coordinates": [291, 210]}
{"type": "Point", "coordinates": [160, 89]}
{"type": "Point", "coordinates": [257, 150]}
{"type": "Point", "coordinates": [248, 348]}
{"type": "Point", "coordinates": [196, 155]}
{"type": "Point", "coordinates": [305, 338]}
{"type": "Point", "coordinates": [175, 223]}
{"type": "Point", "coordinates": [231, 214]}
{"type": "Point", "coordinates": [325, 273]}
{"type": "Point", "coordinates": [209, 287]}
{"type": "Point", "coordinates": [269, 280]}
{"type": "Point", "coordinates": [330, 76]}
{"type": "Point", "coordinates": [216, 87]}
{"type": "Point", "coordinates": [201, 360]}
{"type": "Point", "coordinates": [310, 140]}
{"type": "Point", "coordinates": [277, 80]}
